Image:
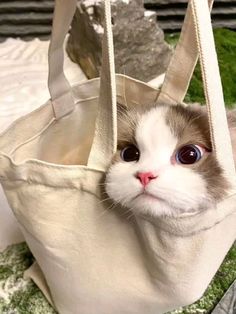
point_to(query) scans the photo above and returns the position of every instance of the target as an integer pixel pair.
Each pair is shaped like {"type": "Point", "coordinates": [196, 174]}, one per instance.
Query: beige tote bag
{"type": "Point", "coordinates": [53, 161]}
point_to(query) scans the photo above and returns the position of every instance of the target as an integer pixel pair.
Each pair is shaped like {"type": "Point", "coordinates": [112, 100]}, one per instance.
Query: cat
{"type": "Point", "coordinates": [164, 164]}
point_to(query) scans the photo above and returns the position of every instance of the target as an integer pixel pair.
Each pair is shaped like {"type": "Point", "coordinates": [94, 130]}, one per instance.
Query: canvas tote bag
{"type": "Point", "coordinates": [53, 162]}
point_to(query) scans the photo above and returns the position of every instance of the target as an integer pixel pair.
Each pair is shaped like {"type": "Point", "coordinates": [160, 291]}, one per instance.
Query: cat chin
{"type": "Point", "coordinates": [161, 208]}
{"type": "Point", "coordinates": [160, 211]}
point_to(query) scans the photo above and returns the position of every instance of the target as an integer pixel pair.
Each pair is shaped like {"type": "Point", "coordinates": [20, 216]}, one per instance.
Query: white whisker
{"type": "Point", "coordinates": [104, 200]}
{"type": "Point", "coordinates": [106, 210]}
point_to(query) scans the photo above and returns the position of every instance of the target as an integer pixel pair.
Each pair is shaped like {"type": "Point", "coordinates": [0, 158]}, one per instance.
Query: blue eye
{"type": "Point", "coordinates": [130, 153]}
{"type": "Point", "coordinates": [188, 154]}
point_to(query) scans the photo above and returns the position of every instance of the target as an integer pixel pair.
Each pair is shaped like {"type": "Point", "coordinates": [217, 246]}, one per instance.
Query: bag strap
{"type": "Point", "coordinates": [105, 139]}
{"type": "Point", "coordinates": [182, 64]}
{"type": "Point", "coordinates": [212, 86]}
{"type": "Point", "coordinates": [59, 87]}
{"type": "Point", "coordinates": [197, 37]}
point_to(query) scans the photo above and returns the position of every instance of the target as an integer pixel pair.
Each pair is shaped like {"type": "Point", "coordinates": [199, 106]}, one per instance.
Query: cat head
{"type": "Point", "coordinates": [164, 164]}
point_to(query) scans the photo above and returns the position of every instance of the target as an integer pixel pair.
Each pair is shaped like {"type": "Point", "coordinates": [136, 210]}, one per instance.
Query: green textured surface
{"type": "Point", "coordinates": [225, 41]}
{"type": "Point", "coordinates": [17, 295]}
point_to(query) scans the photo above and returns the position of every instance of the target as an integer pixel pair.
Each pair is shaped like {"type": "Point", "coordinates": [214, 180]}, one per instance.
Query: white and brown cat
{"type": "Point", "coordinates": [164, 163]}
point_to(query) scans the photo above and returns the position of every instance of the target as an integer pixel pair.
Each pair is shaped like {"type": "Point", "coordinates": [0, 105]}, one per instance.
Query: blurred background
{"type": "Point", "coordinates": [29, 19]}
{"type": "Point", "coordinates": [146, 29]}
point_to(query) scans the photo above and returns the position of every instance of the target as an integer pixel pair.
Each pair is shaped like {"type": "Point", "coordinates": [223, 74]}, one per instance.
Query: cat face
{"type": "Point", "coordinates": [164, 164]}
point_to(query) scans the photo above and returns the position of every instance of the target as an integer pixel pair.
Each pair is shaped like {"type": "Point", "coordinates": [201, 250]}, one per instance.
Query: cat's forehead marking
{"type": "Point", "coordinates": [188, 125]}
{"type": "Point", "coordinates": [154, 135]}
{"type": "Point", "coordinates": [152, 127]}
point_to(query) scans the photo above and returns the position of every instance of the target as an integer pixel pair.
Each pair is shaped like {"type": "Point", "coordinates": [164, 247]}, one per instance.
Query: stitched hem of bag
{"type": "Point", "coordinates": [48, 164]}
{"type": "Point", "coordinates": [71, 177]}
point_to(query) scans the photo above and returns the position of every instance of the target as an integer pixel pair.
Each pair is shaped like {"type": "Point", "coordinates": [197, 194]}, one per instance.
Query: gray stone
{"type": "Point", "coordinates": [140, 49]}
{"type": "Point", "coordinates": [84, 43]}
{"type": "Point", "coordinates": [227, 305]}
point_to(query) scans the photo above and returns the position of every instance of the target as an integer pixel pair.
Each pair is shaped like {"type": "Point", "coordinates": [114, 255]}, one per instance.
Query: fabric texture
{"type": "Point", "coordinates": [51, 168]}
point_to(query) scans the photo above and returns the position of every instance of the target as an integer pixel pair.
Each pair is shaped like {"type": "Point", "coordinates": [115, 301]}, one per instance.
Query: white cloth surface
{"type": "Point", "coordinates": [23, 88]}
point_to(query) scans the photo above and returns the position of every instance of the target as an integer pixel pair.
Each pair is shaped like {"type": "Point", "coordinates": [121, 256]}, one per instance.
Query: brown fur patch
{"type": "Point", "coordinates": [190, 126]}
{"type": "Point", "coordinates": [128, 119]}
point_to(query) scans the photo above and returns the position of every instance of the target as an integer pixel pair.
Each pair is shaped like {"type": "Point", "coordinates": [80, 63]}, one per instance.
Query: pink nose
{"type": "Point", "coordinates": [145, 177]}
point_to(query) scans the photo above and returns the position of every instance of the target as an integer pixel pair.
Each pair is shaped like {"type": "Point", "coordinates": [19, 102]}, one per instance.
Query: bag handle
{"type": "Point", "coordinates": [105, 140]}
{"type": "Point", "coordinates": [182, 64]}
{"type": "Point", "coordinates": [59, 87]}
{"type": "Point", "coordinates": [197, 36]}
{"type": "Point", "coordinates": [212, 87]}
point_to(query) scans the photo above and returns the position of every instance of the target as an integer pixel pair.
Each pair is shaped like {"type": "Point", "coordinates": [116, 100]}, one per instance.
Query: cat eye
{"type": "Point", "coordinates": [130, 153]}
{"type": "Point", "coordinates": [189, 154]}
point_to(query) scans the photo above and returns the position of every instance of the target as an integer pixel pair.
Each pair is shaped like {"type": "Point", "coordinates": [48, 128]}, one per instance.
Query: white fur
{"type": "Point", "coordinates": [177, 189]}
